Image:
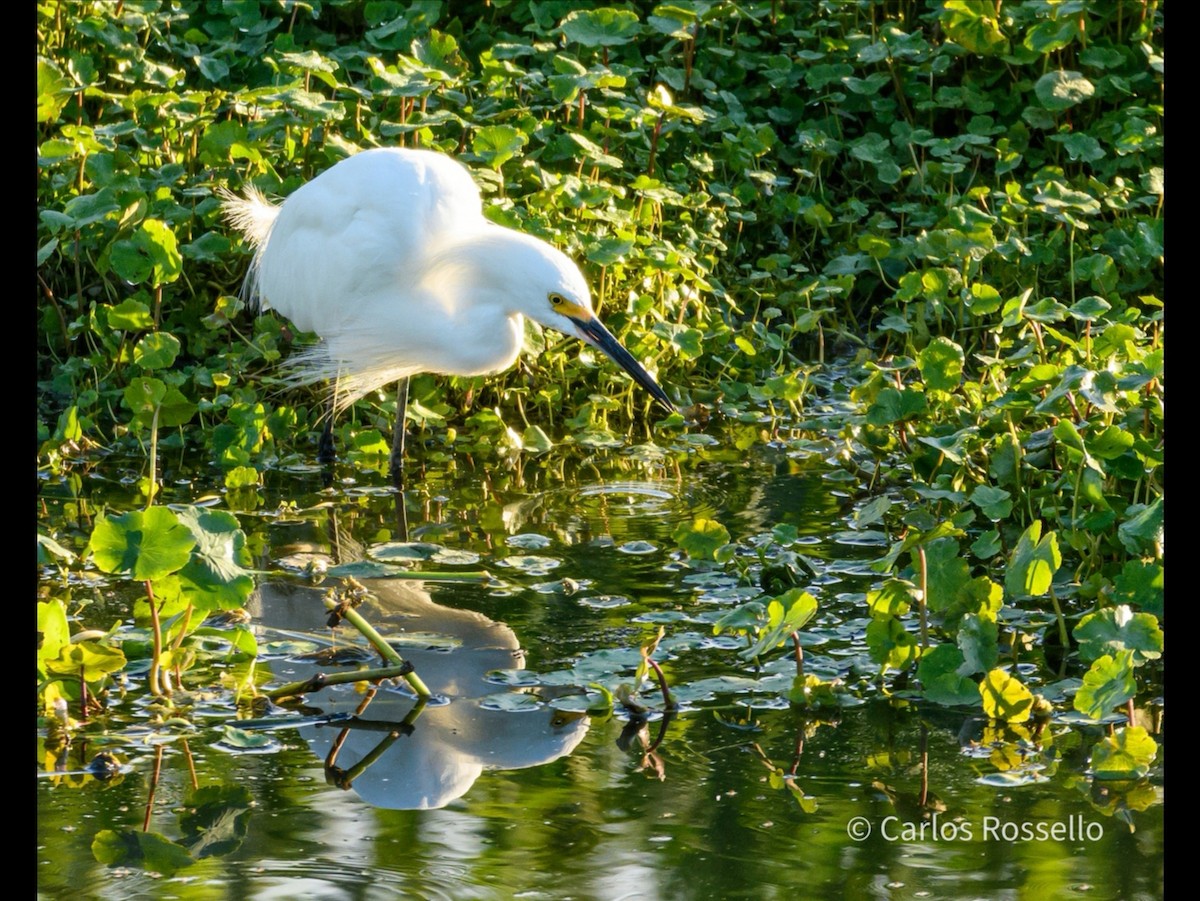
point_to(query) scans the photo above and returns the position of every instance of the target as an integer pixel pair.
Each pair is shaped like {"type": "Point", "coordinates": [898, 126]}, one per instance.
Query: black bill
{"type": "Point", "coordinates": [594, 332]}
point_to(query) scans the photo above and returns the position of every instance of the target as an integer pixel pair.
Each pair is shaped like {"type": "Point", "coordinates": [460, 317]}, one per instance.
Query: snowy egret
{"type": "Point", "coordinates": [388, 258]}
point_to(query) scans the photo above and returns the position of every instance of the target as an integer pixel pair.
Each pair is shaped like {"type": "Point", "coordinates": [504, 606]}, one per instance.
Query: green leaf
{"type": "Point", "coordinates": [948, 573]}
{"type": "Point", "coordinates": [1050, 35]}
{"type": "Point", "coordinates": [53, 90]}
{"type": "Point", "coordinates": [978, 639]}
{"type": "Point", "coordinates": [1108, 684]}
{"type": "Point", "coordinates": [987, 545]}
{"type": "Point", "coordinates": [872, 511]}
{"type": "Point", "coordinates": [701, 538]}
{"type": "Point", "coordinates": [1142, 532]}
{"type": "Point", "coordinates": [215, 820]}
{"type": "Point", "coordinates": [1033, 564]}
{"type": "Point", "coordinates": [145, 545]}
{"type": "Point", "coordinates": [1063, 89]}
{"type": "Point", "coordinates": [242, 477]}
{"type": "Point", "coordinates": [996, 503]}
{"type": "Point", "coordinates": [604, 27]}
{"type": "Point", "coordinates": [50, 551]}
{"type": "Point", "coordinates": [1110, 443]}
{"type": "Point", "coordinates": [497, 144]}
{"type": "Point", "coordinates": [216, 575]}
{"type": "Point", "coordinates": [1126, 754]}
{"type": "Point", "coordinates": [90, 659]}
{"type": "Point", "coordinates": [1116, 629]}
{"type": "Point", "coordinates": [970, 24]}
{"type": "Point", "coordinates": [1141, 583]}
{"type": "Point", "coordinates": [130, 316]}
{"type": "Point", "coordinates": [151, 252]}
{"type": "Point", "coordinates": [143, 396]}
{"type": "Point", "coordinates": [147, 850]}
{"type": "Point", "coordinates": [941, 364]}
{"type": "Point", "coordinates": [1005, 698]}
{"type": "Point", "coordinates": [893, 405]}
{"type": "Point", "coordinates": [786, 614]}
{"type": "Point", "coordinates": [938, 672]}
{"type": "Point", "coordinates": [156, 351]}
{"type": "Point", "coordinates": [893, 599]}
{"type": "Point", "coordinates": [52, 624]}
{"type": "Point", "coordinates": [891, 644]}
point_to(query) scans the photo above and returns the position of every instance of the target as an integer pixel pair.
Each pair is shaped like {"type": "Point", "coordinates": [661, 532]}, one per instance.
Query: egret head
{"type": "Point", "coordinates": [531, 278]}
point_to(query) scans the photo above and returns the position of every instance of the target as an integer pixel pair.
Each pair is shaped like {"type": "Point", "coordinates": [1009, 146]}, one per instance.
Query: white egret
{"type": "Point", "coordinates": [388, 258]}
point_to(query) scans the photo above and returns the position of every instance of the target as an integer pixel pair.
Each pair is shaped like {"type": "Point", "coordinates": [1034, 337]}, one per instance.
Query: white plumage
{"type": "Point", "coordinates": [388, 258]}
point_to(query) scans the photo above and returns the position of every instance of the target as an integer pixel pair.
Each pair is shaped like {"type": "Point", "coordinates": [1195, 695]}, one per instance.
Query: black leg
{"type": "Point", "coordinates": [398, 430]}
{"type": "Point", "coordinates": [325, 451]}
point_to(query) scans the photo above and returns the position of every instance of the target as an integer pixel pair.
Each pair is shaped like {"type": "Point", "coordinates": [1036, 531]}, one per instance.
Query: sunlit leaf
{"type": "Point", "coordinates": [1034, 563]}
{"type": "Point", "coordinates": [701, 538]}
{"type": "Point", "coordinates": [1126, 754]}
{"type": "Point", "coordinates": [1106, 685]}
{"type": "Point", "coordinates": [145, 545]}
{"type": "Point", "coordinates": [1005, 698]}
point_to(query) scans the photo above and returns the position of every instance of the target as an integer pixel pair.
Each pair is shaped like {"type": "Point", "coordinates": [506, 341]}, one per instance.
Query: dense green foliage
{"type": "Point", "coordinates": [960, 201]}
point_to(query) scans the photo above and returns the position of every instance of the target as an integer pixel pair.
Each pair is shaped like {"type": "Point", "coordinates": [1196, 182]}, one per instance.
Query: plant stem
{"type": "Point", "coordinates": [321, 680]}
{"type": "Point", "coordinates": [668, 701]}
{"type": "Point", "coordinates": [386, 650]}
{"type": "Point", "coordinates": [156, 630]}
{"type": "Point", "coordinates": [924, 598]}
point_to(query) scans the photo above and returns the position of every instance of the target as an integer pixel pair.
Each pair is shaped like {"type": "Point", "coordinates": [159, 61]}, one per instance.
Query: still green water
{"type": "Point", "coordinates": [507, 789]}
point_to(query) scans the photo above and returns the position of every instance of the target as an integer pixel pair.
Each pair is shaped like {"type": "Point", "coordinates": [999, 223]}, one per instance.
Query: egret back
{"type": "Point", "coordinates": [358, 230]}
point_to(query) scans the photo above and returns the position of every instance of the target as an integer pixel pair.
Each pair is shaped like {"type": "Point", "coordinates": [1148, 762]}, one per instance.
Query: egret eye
{"type": "Point", "coordinates": [557, 300]}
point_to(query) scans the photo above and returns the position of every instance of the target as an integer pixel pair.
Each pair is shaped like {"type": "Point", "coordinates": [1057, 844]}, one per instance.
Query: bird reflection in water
{"type": "Point", "coordinates": [393, 752]}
